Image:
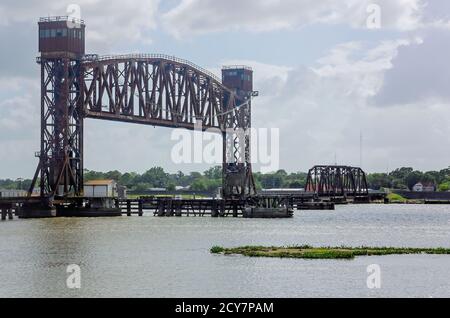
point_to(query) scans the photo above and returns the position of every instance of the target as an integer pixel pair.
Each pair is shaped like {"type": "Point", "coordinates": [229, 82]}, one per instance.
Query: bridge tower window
{"type": "Point", "coordinates": [56, 35]}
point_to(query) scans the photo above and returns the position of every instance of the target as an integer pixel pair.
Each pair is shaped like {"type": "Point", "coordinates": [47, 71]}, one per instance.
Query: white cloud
{"type": "Point", "coordinates": [321, 111]}
{"type": "Point", "coordinates": [110, 23]}
{"type": "Point", "coordinates": [420, 72]}
{"type": "Point", "coordinates": [320, 108]}
{"type": "Point", "coordinates": [192, 17]}
{"type": "Point", "coordinates": [19, 126]}
{"type": "Point", "coordinates": [360, 69]}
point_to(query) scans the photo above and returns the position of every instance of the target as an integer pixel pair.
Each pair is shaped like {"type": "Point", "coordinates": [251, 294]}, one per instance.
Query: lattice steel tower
{"type": "Point", "coordinates": [238, 178]}
{"type": "Point", "coordinates": [62, 46]}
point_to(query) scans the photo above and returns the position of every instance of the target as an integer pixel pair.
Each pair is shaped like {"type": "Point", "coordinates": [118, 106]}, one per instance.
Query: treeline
{"type": "Point", "coordinates": [407, 178]}
{"type": "Point", "coordinates": [211, 179]}
{"type": "Point", "coordinates": [18, 184]}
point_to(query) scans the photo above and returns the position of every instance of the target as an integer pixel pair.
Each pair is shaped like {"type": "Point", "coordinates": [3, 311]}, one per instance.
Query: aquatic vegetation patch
{"type": "Point", "coordinates": [309, 252]}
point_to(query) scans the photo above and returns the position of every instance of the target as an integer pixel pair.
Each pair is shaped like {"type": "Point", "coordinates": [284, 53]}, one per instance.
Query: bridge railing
{"type": "Point", "coordinates": [237, 67]}
{"type": "Point", "coordinates": [97, 58]}
{"type": "Point", "coordinates": [64, 18]}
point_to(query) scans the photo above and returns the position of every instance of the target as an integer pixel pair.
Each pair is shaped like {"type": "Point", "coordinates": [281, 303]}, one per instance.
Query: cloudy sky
{"type": "Point", "coordinates": [323, 75]}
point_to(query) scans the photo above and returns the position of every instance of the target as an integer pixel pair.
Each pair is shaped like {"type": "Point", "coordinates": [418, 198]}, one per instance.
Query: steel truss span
{"type": "Point", "coordinates": [141, 89]}
{"type": "Point", "coordinates": [158, 91]}
{"type": "Point", "coordinates": [337, 181]}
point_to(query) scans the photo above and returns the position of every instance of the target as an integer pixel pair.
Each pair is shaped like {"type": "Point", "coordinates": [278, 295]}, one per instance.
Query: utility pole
{"type": "Point", "coordinates": [361, 149]}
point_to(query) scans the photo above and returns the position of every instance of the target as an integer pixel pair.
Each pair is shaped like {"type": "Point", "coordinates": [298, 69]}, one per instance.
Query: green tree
{"type": "Point", "coordinates": [296, 185]}
{"type": "Point", "coordinates": [156, 177]}
{"type": "Point", "coordinates": [93, 175]}
{"type": "Point", "coordinates": [199, 185]}
{"type": "Point", "coordinates": [113, 175]}
{"type": "Point", "coordinates": [214, 173]}
{"type": "Point", "coordinates": [142, 187]}
{"type": "Point", "coordinates": [413, 178]}
{"type": "Point", "coordinates": [128, 179]}
{"type": "Point", "coordinates": [444, 187]}
{"type": "Point", "coordinates": [401, 173]}
{"type": "Point", "coordinates": [377, 181]}
{"type": "Point", "coordinates": [171, 187]}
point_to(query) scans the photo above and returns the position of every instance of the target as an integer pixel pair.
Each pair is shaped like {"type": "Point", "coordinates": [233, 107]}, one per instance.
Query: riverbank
{"type": "Point", "coordinates": [421, 198]}
{"type": "Point", "coordinates": [309, 252]}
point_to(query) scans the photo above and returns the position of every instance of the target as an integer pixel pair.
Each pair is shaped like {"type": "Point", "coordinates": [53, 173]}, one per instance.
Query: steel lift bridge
{"type": "Point", "coordinates": [155, 90]}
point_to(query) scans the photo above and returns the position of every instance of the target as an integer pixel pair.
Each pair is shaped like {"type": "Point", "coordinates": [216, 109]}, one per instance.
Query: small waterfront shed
{"type": "Point", "coordinates": [100, 189]}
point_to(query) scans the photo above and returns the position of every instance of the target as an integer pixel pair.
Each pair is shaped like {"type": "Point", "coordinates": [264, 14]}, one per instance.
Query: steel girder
{"type": "Point", "coordinates": [337, 181]}
{"type": "Point", "coordinates": [237, 168]}
{"type": "Point", "coordinates": [161, 91]}
{"type": "Point", "coordinates": [155, 91]}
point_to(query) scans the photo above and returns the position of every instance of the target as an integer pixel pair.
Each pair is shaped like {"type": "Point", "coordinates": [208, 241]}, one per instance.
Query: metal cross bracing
{"type": "Point", "coordinates": [169, 92]}
{"type": "Point", "coordinates": [337, 181]}
{"type": "Point", "coordinates": [136, 89]}
{"type": "Point", "coordinates": [156, 91]}
{"type": "Point", "coordinates": [61, 155]}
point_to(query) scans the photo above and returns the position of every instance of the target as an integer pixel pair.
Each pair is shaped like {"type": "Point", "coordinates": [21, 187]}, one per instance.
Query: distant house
{"type": "Point", "coordinates": [181, 188]}
{"type": "Point", "coordinates": [100, 189]}
{"type": "Point", "coordinates": [424, 187]}
{"type": "Point", "coordinates": [429, 187]}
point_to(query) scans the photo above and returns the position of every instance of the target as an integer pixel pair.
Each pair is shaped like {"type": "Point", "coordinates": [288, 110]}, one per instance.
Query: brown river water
{"type": "Point", "coordinates": [169, 257]}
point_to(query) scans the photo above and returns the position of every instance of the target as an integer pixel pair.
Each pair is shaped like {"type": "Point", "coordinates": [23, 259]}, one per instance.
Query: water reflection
{"type": "Point", "coordinates": [169, 257]}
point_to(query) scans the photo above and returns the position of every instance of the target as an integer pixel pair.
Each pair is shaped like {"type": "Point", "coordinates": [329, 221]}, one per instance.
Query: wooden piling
{"type": "Point", "coordinates": [128, 208]}
{"type": "Point", "coordinates": [169, 210]}
{"type": "Point", "coordinates": [168, 207]}
{"type": "Point", "coordinates": [222, 209]}
{"type": "Point", "coordinates": [214, 210]}
{"type": "Point", "coordinates": [161, 208]}
{"type": "Point", "coordinates": [141, 208]}
{"type": "Point", "coordinates": [178, 209]}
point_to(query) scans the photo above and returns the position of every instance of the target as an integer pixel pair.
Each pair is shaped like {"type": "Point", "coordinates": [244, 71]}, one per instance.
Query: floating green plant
{"type": "Point", "coordinates": [309, 252]}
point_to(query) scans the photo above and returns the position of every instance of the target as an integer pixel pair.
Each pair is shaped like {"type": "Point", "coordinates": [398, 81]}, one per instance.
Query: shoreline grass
{"type": "Point", "coordinates": [309, 252]}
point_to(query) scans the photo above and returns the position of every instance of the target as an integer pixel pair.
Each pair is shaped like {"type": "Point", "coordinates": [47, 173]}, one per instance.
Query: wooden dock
{"type": "Point", "coordinates": [7, 214]}
{"type": "Point", "coordinates": [173, 207]}
{"type": "Point", "coordinates": [259, 206]}
{"type": "Point", "coordinates": [256, 207]}
{"type": "Point", "coordinates": [317, 206]}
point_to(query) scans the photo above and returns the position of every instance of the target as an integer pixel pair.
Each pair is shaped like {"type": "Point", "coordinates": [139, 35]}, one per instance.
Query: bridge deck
{"type": "Point", "coordinates": [158, 206]}
{"type": "Point", "coordinates": [279, 204]}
